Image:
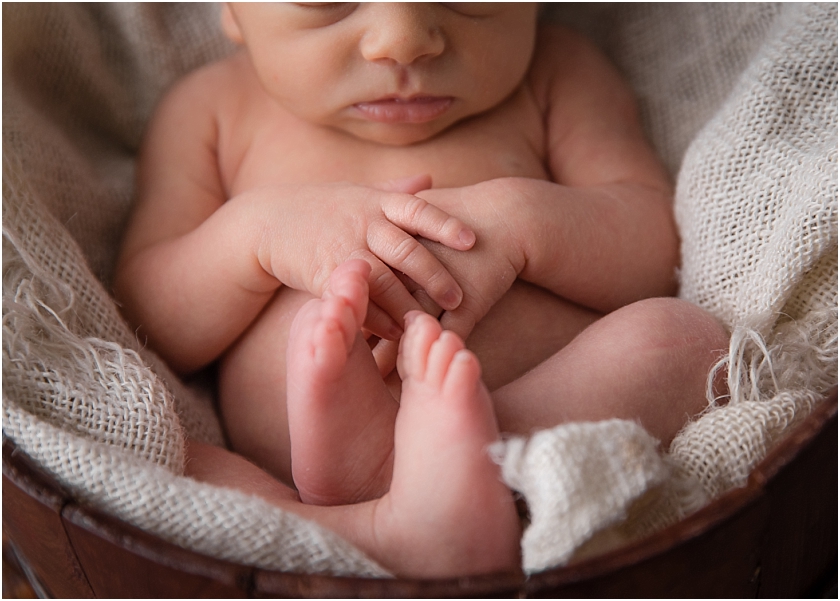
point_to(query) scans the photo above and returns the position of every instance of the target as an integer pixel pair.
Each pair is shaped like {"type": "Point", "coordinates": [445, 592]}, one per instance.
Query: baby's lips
{"type": "Point", "coordinates": [418, 109]}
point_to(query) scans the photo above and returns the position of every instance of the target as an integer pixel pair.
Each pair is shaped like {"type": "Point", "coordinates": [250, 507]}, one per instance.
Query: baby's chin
{"type": "Point", "coordinates": [403, 134]}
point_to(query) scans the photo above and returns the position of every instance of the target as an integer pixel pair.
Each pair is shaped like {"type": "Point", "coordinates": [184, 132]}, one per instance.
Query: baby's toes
{"type": "Point", "coordinates": [440, 358]}
{"type": "Point", "coordinates": [320, 339]}
{"type": "Point", "coordinates": [302, 333]}
{"type": "Point", "coordinates": [349, 282]}
{"type": "Point", "coordinates": [421, 331]}
{"type": "Point", "coordinates": [463, 376]}
{"type": "Point", "coordinates": [337, 325]}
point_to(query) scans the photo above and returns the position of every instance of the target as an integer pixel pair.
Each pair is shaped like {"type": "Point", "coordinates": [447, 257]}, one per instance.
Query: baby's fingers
{"type": "Point", "coordinates": [404, 253]}
{"type": "Point", "coordinates": [385, 355]}
{"type": "Point", "coordinates": [416, 216]}
{"type": "Point", "coordinates": [389, 298]}
{"type": "Point", "coordinates": [380, 324]}
{"type": "Point", "coordinates": [461, 321]}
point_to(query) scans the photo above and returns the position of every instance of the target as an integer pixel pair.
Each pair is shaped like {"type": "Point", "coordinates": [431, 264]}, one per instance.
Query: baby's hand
{"type": "Point", "coordinates": [498, 214]}
{"type": "Point", "coordinates": [310, 230]}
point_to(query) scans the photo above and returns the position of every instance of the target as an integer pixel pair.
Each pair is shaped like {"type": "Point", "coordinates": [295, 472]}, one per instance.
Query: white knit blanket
{"type": "Point", "coordinates": [740, 100]}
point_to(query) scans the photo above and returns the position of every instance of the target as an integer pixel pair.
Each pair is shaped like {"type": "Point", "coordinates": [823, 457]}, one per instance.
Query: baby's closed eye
{"type": "Point", "coordinates": [321, 14]}
{"type": "Point", "coordinates": [473, 9]}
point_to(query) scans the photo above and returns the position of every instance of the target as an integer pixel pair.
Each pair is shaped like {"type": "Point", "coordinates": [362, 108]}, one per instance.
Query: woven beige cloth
{"type": "Point", "coordinates": [80, 396]}
{"type": "Point", "coordinates": [742, 100]}
{"type": "Point", "coordinates": [739, 99]}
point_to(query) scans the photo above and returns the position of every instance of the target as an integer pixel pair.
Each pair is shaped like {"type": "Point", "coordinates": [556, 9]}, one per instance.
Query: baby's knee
{"type": "Point", "coordinates": [667, 322]}
{"type": "Point", "coordinates": [670, 327]}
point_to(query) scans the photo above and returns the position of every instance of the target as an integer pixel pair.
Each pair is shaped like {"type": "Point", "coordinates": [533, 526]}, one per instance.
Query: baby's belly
{"type": "Point", "coordinates": [525, 328]}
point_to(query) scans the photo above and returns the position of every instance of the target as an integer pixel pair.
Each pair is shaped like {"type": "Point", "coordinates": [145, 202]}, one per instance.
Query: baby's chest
{"type": "Point", "coordinates": [471, 152]}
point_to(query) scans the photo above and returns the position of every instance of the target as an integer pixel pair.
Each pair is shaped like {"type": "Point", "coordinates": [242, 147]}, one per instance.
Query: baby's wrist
{"type": "Point", "coordinates": [521, 200]}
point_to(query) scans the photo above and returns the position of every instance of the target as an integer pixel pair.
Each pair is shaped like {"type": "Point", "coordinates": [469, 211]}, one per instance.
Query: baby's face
{"type": "Point", "coordinates": [391, 73]}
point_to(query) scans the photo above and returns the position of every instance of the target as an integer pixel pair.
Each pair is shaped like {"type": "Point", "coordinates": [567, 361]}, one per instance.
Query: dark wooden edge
{"type": "Point", "coordinates": [22, 471]}
{"type": "Point", "coordinates": [799, 550]}
{"type": "Point", "coordinates": [32, 505]}
{"type": "Point", "coordinates": [662, 541]}
{"type": "Point", "coordinates": [157, 550]}
{"type": "Point", "coordinates": [279, 584]}
{"type": "Point", "coordinates": [710, 516]}
{"type": "Point", "coordinates": [783, 453]}
{"type": "Point", "coordinates": [17, 584]}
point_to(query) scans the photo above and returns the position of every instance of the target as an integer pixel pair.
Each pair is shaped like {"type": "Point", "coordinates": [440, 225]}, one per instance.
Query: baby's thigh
{"type": "Point", "coordinates": [648, 361]}
{"type": "Point", "coordinates": [667, 332]}
{"type": "Point", "coordinates": [252, 384]}
{"type": "Point", "coordinates": [662, 351]}
{"type": "Point", "coordinates": [522, 330]}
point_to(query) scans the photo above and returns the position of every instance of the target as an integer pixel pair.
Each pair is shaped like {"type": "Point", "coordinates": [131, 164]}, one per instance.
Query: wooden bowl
{"type": "Point", "coordinates": [775, 537]}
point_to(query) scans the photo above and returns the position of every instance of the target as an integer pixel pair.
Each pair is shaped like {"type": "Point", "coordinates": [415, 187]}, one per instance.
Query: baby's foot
{"type": "Point", "coordinates": [447, 512]}
{"type": "Point", "coordinates": [341, 415]}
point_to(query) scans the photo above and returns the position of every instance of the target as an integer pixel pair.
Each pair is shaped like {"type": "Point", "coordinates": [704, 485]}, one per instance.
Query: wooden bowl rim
{"type": "Point", "coordinates": [24, 473]}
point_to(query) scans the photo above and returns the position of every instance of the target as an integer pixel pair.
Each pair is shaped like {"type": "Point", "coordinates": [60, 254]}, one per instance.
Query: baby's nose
{"type": "Point", "coordinates": [402, 32]}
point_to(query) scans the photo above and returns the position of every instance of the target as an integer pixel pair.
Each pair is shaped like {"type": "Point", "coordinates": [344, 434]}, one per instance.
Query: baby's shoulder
{"type": "Point", "coordinates": [562, 51]}
{"type": "Point", "coordinates": [555, 36]}
{"type": "Point", "coordinates": [203, 92]}
{"type": "Point", "coordinates": [569, 67]}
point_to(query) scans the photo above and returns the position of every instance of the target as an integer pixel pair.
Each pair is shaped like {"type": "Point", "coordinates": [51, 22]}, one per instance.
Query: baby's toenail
{"type": "Point", "coordinates": [462, 356]}
{"type": "Point", "coordinates": [466, 237]}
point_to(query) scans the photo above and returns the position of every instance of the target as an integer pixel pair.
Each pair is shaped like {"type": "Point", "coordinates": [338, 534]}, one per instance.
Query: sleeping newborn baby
{"type": "Point", "coordinates": [447, 188]}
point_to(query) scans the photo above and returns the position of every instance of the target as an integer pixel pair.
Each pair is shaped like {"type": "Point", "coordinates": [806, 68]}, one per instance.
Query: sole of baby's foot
{"type": "Point", "coordinates": [341, 415]}
{"type": "Point", "coordinates": [448, 513]}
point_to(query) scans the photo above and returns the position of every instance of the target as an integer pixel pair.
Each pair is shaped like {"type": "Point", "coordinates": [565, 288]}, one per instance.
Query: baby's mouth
{"type": "Point", "coordinates": [416, 109]}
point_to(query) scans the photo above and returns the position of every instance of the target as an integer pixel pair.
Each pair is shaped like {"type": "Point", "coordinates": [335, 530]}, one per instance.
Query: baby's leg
{"type": "Point", "coordinates": [253, 383]}
{"type": "Point", "coordinates": [341, 414]}
{"type": "Point", "coordinates": [447, 513]}
{"type": "Point", "coordinates": [252, 387]}
{"type": "Point", "coordinates": [648, 361]}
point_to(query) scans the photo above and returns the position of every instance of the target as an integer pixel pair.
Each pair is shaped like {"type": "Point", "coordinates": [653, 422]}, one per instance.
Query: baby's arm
{"type": "Point", "coordinates": [605, 234]}
{"type": "Point", "coordinates": [196, 269]}
{"type": "Point", "coordinates": [601, 233]}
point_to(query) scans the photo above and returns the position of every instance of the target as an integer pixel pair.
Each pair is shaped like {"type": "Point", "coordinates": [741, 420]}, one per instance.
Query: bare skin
{"type": "Point", "coordinates": [335, 386]}
{"type": "Point", "coordinates": [499, 166]}
{"type": "Point", "coordinates": [451, 484]}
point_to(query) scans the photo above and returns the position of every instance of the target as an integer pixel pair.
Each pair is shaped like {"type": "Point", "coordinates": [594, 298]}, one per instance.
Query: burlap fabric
{"type": "Point", "coordinates": [739, 99]}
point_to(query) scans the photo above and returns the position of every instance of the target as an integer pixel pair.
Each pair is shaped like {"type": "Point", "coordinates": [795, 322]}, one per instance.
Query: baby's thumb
{"type": "Point", "coordinates": [460, 321]}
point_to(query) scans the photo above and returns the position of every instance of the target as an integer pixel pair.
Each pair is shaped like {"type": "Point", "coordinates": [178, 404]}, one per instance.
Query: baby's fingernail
{"type": "Point", "coordinates": [452, 298]}
{"type": "Point", "coordinates": [466, 237]}
{"type": "Point", "coordinates": [395, 332]}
